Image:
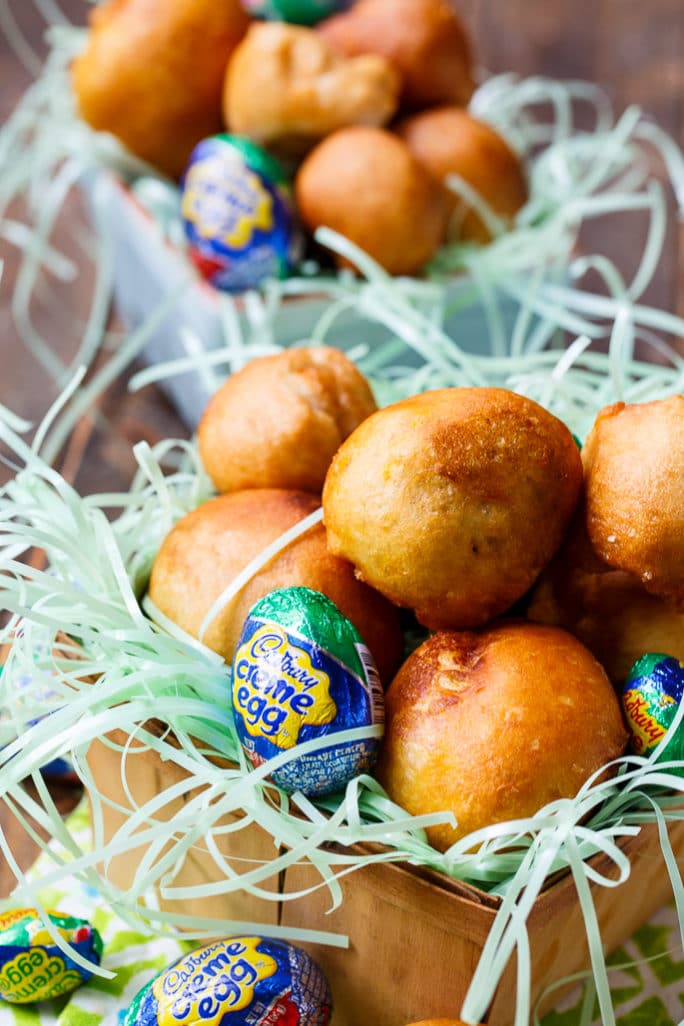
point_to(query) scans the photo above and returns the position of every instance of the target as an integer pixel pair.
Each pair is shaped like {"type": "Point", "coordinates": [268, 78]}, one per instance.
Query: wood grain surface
{"type": "Point", "coordinates": [635, 50]}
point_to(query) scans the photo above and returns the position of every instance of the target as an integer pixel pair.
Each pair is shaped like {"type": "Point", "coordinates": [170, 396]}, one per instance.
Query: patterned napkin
{"type": "Point", "coordinates": [647, 980]}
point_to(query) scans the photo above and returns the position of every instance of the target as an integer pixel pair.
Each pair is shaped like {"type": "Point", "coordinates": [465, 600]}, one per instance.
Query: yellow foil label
{"type": "Point", "coordinates": [15, 915]}
{"type": "Point", "coordinates": [276, 688]}
{"type": "Point", "coordinates": [225, 201]}
{"type": "Point", "coordinates": [36, 975]}
{"type": "Point", "coordinates": [206, 984]}
{"type": "Point", "coordinates": [647, 732]}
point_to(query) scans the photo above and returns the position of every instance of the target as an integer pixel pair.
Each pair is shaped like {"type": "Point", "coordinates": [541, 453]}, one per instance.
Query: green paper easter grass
{"type": "Point", "coordinates": [143, 671]}
{"type": "Point", "coordinates": [131, 670]}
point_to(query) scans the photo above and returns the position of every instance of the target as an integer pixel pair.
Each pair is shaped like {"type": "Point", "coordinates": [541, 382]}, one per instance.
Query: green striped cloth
{"type": "Point", "coordinates": [647, 980]}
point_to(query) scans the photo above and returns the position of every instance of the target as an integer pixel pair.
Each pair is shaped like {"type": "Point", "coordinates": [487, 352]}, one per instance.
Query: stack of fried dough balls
{"type": "Point", "coordinates": [161, 75]}
{"type": "Point", "coordinates": [618, 582]}
{"type": "Point", "coordinates": [387, 191]}
{"type": "Point", "coordinates": [452, 503]}
{"type": "Point", "coordinates": [267, 438]}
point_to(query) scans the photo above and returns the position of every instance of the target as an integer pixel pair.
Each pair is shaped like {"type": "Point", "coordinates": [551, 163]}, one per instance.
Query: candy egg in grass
{"type": "Point", "coordinates": [32, 966]}
{"type": "Point", "coordinates": [237, 981]}
{"type": "Point", "coordinates": [152, 74]}
{"type": "Point", "coordinates": [302, 672]}
{"type": "Point", "coordinates": [651, 697]}
{"type": "Point", "coordinates": [316, 397]}
{"type": "Point", "coordinates": [237, 213]}
{"type": "Point", "coordinates": [301, 12]}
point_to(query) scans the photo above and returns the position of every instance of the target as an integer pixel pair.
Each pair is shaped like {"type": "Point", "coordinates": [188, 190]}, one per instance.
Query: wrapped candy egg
{"type": "Point", "coordinates": [32, 966]}
{"type": "Point", "coordinates": [299, 12]}
{"type": "Point", "coordinates": [238, 981]}
{"type": "Point", "coordinates": [302, 671]}
{"type": "Point", "coordinates": [237, 213]}
{"type": "Point", "coordinates": [650, 698]}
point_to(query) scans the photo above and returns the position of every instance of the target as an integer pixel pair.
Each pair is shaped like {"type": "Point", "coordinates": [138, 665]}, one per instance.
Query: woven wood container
{"type": "Point", "coordinates": [145, 777]}
{"type": "Point", "coordinates": [415, 935]}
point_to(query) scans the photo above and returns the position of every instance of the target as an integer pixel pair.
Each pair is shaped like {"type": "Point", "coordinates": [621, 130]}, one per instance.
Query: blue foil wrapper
{"type": "Point", "coordinates": [238, 981]}
{"type": "Point", "coordinates": [32, 966]}
{"type": "Point", "coordinates": [302, 671]}
{"type": "Point", "coordinates": [57, 769]}
{"type": "Point", "coordinates": [651, 697]}
{"type": "Point", "coordinates": [238, 215]}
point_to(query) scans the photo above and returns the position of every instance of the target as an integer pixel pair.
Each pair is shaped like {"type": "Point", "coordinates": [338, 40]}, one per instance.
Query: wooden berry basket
{"type": "Point", "coordinates": [415, 936]}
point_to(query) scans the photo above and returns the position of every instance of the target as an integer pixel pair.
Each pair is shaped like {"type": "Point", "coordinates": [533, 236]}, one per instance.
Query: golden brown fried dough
{"type": "Point", "coordinates": [279, 421]}
{"type": "Point", "coordinates": [494, 725]}
{"type": "Point", "coordinates": [634, 479]}
{"type": "Point", "coordinates": [209, 547]}
{"type": "Point", "coordinates": [152, 74]}
{"type": "Point", "coordinates": [425, 39]}
{"type": "Point", "coordinates": [608, 610]}
{"type": "Point", "coordinates": [439, 1022]}
{"type": "Point", "coordinates": [448, 141]}
{"type": "Point", "coordinates": [452, 502]}
{"type": "Point", "coordinates": [286, 87]}
{"type": "Point", "coordinates": [366, 184]}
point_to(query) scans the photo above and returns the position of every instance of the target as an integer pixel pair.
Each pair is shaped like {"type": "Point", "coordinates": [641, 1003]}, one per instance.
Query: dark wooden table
{"type": "Point", "coordinates": [635, 50]}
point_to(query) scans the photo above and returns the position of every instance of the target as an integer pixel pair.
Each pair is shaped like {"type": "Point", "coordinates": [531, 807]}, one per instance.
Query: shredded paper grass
{"type": "Point", "coordinates": [102, 666]}
{"type": "Point", "coordinates": [92, 662]}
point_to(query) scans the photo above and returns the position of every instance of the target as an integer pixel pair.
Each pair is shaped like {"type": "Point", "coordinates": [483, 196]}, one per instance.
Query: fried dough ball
{"type": "Point", "coordinates": [448, 141]}
{"type": "Point", "coordinates": [366, 184]}
{"type": "Point", "coordinates": [152, 74]}
{"type": "Point", "coordinates": [453, 501]}
{"type": "Point", "coordinates": [316, 397]}
{"type": "Point", "coordinates": [286, 87]}
{"type": "Point", "coordinates": [608, 610]}
{"type": "Point", "coordinates": [494, 725]}
{"type": "Point", "coordinates": [210, 546]}
{"type": "Point", "coordinates": [425, 39]}
{"type": "Point", "coordinates": [634, 480]}
{"type": "Point", "coordinates": [439, 1022]}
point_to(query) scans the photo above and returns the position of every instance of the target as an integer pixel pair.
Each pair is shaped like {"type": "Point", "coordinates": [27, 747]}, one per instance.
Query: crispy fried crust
{"type": "Point", "coordinates": [439, 1022]}
{"type": "Point", "coordinates": [448, 141]}
{"type": "Point", "coordinates": [279, 421]}
{"type": "Point", "coordinates": [287, 87]}
{"type": "Point", "coordinates": [366, 184]}
{"type": "Point", "coordinates": [494, 725]}
{"type": "Point", "coordinates": [206, 550]}
{"type": "Point", "coordinates": [452, 502]}
{"type": "Point", "coordinates": [152, 74]}
{"type": "Point", "coordinates": [425, 39]}
{"type": "Point", "coordinates": [634, 480]}
{"type": "Point", "coordinates": [609, 610]}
